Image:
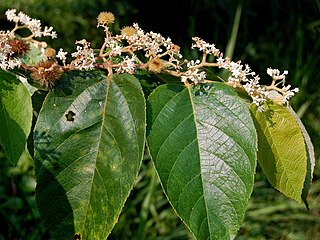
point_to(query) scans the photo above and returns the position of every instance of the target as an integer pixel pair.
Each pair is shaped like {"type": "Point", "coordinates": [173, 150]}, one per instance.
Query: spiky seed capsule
{"type": "Point", "coordinates": [47, 73]}
{"type": "Point", "coordinates": [19, 47]}
{"type": "Point", "coordinates": [50, 53]}
{"type": "Point", "coordinates": [105, 18]}
{"type": "Point", "coordinates": [128, 31]}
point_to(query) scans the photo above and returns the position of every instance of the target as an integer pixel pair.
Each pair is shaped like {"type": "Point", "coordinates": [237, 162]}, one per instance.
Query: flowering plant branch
{"type": "Point", "coordinates": [118, 54]}
{"type": "Point", "coordinates": [91, 131]}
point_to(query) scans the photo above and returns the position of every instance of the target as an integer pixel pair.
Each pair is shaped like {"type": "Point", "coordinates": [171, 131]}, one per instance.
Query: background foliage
{"type": "Point", "coordinates": [281, 34]}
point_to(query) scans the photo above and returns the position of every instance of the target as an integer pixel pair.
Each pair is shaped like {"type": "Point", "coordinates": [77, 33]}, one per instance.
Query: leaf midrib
{"type": "Point", "coordinates": [198, 146]}
{"type": "Point", "coordinates": [108, 80]}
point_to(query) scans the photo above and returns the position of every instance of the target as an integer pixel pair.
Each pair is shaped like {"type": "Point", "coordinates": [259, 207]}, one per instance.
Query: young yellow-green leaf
{"type": "Point", "coordinates": [89, 143]}
{"type": "Point", "coordinates": [203, 143]}
{"type": "Point", "coordinates": [311, 161]}
{"type": "Point", "coordinates": [282, 151]}
{"type": "Point", "coordinates": [15, 115]}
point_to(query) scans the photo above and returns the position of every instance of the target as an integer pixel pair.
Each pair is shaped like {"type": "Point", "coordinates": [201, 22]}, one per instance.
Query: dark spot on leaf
{"type": "Point", "coordinates": [77, 236]}
{"type": "Point", "coordinates": [70, 116]}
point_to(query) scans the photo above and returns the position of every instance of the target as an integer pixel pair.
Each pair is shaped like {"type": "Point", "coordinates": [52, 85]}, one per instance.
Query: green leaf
{"type": "Point", "coordinates": [89, 143]}
{"type": "Point", "coordinates": [203, 144]}
{"type": "Point", "coordinates": [282, 150]}
{"type": "Point", "coordinates": [15, 115]}
{"type": "Point", "coordinates": [311, 161]}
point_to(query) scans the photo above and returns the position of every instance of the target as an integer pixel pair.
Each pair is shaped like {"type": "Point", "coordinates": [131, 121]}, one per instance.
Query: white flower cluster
{"type": "Point", "coordinates": [119, 53]}
{"type": "Point", "coordinates": [288, 93]}
{"type": "Point", "coordinates": [114, 46]}
{"type": "Point", "coordinates": [258, 93]}
{"type": "Point", "coordinates": [154, 45]}
{"type": "Point", "coordinates": [285, 91]}
{"type": "Point", "coordinates": [127, 65]}
{"type": "Point", "coordinates": [84, 56]}
{"type": "Point", "coordinates": [193, 73]}
{"type": "Point", "coordinates": [6, 60]}
{"type": "Point", "coordinates": [205, 47]}
{"type": "Point", "coordinates": [33, 25]}
{"type": "Point", "coordinates": [241, 75]}
{"type": "Point", "coordinates": [10, 44]}
{"type": "Point", "coordinates": [149, 42]}
{"type": "Point", "coordinates": [275, 74]}
{"type": "Point", "coordinates": [128, 43]}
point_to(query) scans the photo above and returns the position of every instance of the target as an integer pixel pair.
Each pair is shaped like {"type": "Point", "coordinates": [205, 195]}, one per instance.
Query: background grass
{"type": "Point", "coordinates": [281, 34]}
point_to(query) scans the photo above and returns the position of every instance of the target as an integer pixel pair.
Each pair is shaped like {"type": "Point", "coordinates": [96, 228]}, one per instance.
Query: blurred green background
{"type": "Point", "coordinates": [268, 33]}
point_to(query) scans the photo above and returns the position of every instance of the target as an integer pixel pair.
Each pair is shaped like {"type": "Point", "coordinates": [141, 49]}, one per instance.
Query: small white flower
{"type": "Point", "coordinates": [114, 46]}
{"type": "Point", "coordinates": [193, 73]}
{"type": "Point", "coordinates": [11, 15]}
{"type": "Point", "coordinates": [205, 47]}
{"type": "Point", "coordinates": [220, 61]}
{"type": "Point", "coordinates": [127, 65]}
{"type": "Point", "coordinates": [275, 74]}
{"type": "Point", "coordinates": [33, 25]}
{"type": "Point", "coordinates": [62, 56]}
{"type": "Point", "coordinates": [84, 56]}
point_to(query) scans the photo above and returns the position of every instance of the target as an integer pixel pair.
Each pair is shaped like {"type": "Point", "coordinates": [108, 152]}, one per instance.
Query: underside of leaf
{"type": "Point", "coordinates": [282, 150]}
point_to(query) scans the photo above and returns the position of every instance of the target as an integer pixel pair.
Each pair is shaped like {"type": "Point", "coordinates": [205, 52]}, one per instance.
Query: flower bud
{"type": "Point", "coordinates": [50, 53]}
{"type": "Point", "coordinates": [155, 65]}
